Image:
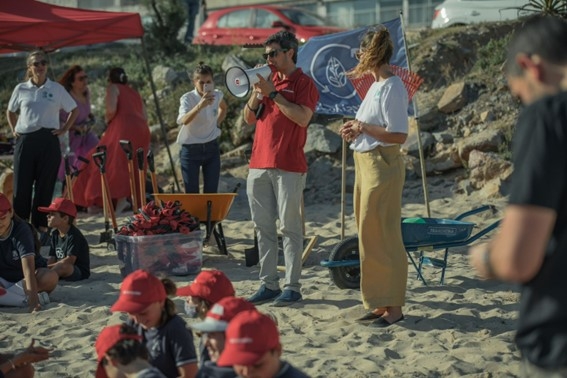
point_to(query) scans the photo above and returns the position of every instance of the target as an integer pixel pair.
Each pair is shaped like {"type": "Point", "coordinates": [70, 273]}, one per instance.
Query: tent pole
{"type": "Point", "coordinates": [158, 111]}
{"type": "Point", "coordinates": [416, 117]}
{"type": "Point", "coordinates": [343, 187]}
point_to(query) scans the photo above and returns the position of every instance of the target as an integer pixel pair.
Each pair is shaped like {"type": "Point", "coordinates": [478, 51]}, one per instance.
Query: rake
{"type": "Point", "coordinates": [411, 80]}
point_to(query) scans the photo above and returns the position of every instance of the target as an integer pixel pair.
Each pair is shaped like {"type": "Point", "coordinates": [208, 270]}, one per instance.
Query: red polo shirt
{"type": "Point", "coordinates": [279, 142]}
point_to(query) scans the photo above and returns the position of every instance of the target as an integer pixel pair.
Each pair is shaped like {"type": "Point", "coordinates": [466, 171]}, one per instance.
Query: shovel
{"type": "Point", "coordinates": [127, 148]}
{"type": "Point", "coordinates": [142, 176]}
{"type": "Point", "coordinates": [100, 160]}
{"type": "Point", "coordinates": [152, 168]}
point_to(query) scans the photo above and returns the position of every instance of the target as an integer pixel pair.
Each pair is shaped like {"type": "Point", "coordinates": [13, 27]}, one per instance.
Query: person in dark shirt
{"type": "Point", "coordinates": [212, 328]}
{"type": "Point", "coordinates": [121, 353]}
{"type": "Point", "coordinates": [252, 347]}
{"type": "Point", "coordinates": [69, 254]}
{"type": "Point", "coordinates": [144, 297]}
{"type": "Point", "coordinates": [531, 247]}
{"type": "Point", "coordinates": [23, 283]}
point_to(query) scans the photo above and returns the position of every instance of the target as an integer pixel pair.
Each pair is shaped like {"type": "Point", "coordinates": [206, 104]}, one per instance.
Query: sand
{"type": "Point", "coordinates": [462, 328]}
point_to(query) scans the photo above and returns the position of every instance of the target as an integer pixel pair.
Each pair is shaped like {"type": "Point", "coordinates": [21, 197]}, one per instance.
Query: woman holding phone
{"type": "Point", "coordinates": [200, 113]}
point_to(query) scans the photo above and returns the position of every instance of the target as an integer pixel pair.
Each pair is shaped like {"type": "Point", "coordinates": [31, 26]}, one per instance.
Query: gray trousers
{"type": "Point", "coordinates": [276, 194]}
{"type": "Point", "coordinates": [530, 370]}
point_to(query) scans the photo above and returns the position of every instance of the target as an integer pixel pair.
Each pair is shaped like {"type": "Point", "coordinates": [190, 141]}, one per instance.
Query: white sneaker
{"type": "Point", "coordinates": [43, 298]}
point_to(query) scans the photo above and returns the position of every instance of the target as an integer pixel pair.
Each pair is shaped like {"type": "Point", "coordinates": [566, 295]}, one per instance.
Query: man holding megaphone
{"type": "Point", "coordinates": [281, 107]}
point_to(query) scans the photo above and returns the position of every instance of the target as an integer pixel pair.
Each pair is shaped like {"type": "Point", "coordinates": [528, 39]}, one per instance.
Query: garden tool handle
{"type": "Point", "coordinates": [100, 160]}
{"type": "Point", "coordinates": [67, 165]}
{"type": "Point", "coordinates": [126, 147]}
{"type": "Point", "coordinates": [140, 153]}
{"type": "Point", "coordinates": [150, 158]}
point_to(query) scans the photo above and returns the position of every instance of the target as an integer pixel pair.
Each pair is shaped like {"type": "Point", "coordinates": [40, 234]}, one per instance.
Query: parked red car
{"type": "Point", "coordinates": [254, 24]}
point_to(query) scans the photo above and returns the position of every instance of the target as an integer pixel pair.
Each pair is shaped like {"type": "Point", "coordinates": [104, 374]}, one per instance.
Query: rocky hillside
{"type": "Point", "coordinates": [466, 118]}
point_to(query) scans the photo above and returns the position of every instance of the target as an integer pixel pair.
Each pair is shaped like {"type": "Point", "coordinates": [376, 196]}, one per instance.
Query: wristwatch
{"type": "Point", "coordinates": [273, 94]}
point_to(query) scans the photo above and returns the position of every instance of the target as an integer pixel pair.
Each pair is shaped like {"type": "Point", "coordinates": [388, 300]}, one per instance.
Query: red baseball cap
{"type": "Point", "coordinates": [5, 204]}
{"type": "Point", "coordinates": [139, 290]}
{"type": "Point", "coordinates": [210, 285]}
{"type": "Point", "coordinates": [222, 313]}
{"type": "Point", "coordinates": [62, 205]}
{"type": "Point", "coordinates": [250, 334]}
{"type": "Point", "coordinates": [107, 339]}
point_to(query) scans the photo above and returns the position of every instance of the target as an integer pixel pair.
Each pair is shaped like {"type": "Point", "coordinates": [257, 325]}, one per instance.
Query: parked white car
{"type": "Point", "coordinates": [463, 12]}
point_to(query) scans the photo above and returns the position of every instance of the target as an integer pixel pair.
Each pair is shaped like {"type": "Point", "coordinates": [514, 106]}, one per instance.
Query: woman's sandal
{"type": "Point", "coordinates": [369, 316]}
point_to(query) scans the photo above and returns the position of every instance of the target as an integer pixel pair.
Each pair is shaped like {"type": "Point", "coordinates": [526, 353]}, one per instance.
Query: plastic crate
{"type": "Point", "coordinates": [433, 231]}
{"type": "Point", "coordinates": [170, 254]}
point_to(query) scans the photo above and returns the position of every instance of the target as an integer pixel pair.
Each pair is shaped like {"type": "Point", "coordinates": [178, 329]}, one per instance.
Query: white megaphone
{"type": "Point", "coordinates": [239, 81]}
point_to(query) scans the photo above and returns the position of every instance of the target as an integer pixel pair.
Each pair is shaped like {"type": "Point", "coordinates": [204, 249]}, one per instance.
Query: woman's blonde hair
{"type": "Point", "coordinates": [376, 49]}
{"type": "Point", "coordinates": [29, 60]}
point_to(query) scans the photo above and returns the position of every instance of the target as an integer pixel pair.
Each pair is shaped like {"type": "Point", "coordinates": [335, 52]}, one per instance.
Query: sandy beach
{"type": "Point", "coordinates": [462, 328]}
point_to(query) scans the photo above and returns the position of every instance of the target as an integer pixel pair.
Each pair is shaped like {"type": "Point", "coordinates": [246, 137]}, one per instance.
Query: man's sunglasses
{"type": "Point", "coordinates": [273, 53]}
{"type": "Point", "coordinates": [41, 62]}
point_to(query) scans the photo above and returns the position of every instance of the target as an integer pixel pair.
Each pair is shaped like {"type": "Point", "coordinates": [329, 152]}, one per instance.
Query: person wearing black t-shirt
{"type": "Point", "coordinates": [68, 249]}
{"type": "Point", "coordinates": [531, 247]}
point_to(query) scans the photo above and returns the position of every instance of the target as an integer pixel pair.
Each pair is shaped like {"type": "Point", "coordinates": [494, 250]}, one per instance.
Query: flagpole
{"type": "Point", "coordinates": [416, 117]}
{"type": "Point", "coordinates": [343, 186]}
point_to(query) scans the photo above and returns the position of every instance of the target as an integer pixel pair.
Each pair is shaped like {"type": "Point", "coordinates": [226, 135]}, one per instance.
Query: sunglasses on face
{"type": "Point", "coordinates": [41, 62]}
{"type": "Point", "coordinates": [273, 53]}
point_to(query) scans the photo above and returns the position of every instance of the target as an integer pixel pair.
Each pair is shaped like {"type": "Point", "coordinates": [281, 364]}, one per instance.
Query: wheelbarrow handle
{"type": "Point", "coordinates": [150, 159]}
{"type": "Point", "coordinates": [476, 211]}
{"type": "Point", "coordinates": [140, 153]}
{"type": "Point", "coordinates": [126, 147]}
{"type": "Point", "coordinates": [100, 160]}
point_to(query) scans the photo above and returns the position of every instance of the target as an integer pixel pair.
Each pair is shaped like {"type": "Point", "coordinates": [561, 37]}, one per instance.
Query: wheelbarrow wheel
{"type": "Point", "coordinates": [346, 277]}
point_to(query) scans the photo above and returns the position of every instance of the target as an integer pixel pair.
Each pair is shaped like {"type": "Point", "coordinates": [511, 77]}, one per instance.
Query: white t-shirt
{"type": "Point", "coordinates": [385, 104]}
{"type": "Point", "coordinates": [39, 106]}
{"type": "Point", "coordinates": [203, 128]}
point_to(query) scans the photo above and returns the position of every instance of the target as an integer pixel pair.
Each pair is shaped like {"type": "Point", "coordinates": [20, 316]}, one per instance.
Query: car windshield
{"type": "Point", "coordinates": [301, 17]}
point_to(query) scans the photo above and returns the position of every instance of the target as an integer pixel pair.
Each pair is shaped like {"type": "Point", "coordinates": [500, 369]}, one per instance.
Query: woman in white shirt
{"type": "Point", "coordinates": [200, 113]}
{"type": "Point", "coordinates": [33, 116]}
{"type": "Point", "coordinates": [380, 127]}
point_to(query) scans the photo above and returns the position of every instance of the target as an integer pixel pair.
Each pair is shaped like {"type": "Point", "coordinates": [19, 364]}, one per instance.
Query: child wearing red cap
{"type": "Point", "coordinates": [209, 287]}
{"type": "Point", "coordinates": [23, 284]}
{"type": "Point", "coordinates": [213, 328]}
{"type": "Point", "coordinates": [253, 348]}
{"type": "Point", "coordinates": [121, 353]}
{"type": "Point", "coordinates": [69, 254]}
{"type": "Point", "coordinates": [170, 344]}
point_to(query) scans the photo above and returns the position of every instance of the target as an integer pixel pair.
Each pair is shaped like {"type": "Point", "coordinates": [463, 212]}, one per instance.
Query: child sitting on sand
{"type": "Point", "coordinates": [209, 287]}
{"type": "Point", "coordinates": [144, 297]}
{"type": "Point", "coordinates": [252, 347]}
{"type": "Point", "coordinates": [69, 254]}
{"type": "Point", "coordinates": [122, 353]}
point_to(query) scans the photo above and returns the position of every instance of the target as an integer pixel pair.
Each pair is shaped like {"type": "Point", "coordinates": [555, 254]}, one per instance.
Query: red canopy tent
{"type": "Point", "coordinates": [26, 25]}
{"type": "Point", "coordinates": [30, 24]}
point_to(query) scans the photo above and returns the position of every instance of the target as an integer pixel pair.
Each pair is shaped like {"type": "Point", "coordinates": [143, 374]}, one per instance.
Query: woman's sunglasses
{"type": "Point", "coordinates": [273, 53]}
{"type": "Point", "coordinates": [41, 62]}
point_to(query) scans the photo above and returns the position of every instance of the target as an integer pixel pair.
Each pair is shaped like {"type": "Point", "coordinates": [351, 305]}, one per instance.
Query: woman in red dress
{"type": "Point", "coordinates": [127, 120]}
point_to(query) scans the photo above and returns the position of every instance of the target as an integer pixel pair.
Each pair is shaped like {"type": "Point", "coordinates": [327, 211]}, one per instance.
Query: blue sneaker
{"type": "Point", "coordinates": [287, 298]}
{"type": "Point", "coordinates": [264, 295]}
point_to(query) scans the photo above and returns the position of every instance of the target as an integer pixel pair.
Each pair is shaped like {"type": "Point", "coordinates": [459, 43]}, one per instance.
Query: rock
{"type": "Point", "coordinates": [487, 141]}
{"type": "Point", "coordinates": [164, 75]}
{"type": "Point", "coordinates": [486, 116]}
{"type": "Point", "coordinates": [485, 166]}
{"type": "Point", "coordinates": [241, 132]}
{"type": "Point", "coordinates": [321, 139]}
{"type": "Point", "coordinates": [443, 137]}
{"type": "Point", "coordinates": [444, 161]}
{"type": "Point", "coordinates": [430, 119]}
{"type": "Point", "coordinates": [453, 99]}
{"type": "Point", "coordinates": [411, 145]}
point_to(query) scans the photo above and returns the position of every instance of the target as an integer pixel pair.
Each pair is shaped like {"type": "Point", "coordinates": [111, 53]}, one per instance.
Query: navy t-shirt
{"type": "Point", "coordinates": [288, 371]}
{"type": "Point", "coordinates": [540, 179]}
{"type": "Point", "coordinates": [19, 244]}
{"type": "Point", "coordinates": [72, 244]}
{"type": "Point", "coordinates": [169, 346]}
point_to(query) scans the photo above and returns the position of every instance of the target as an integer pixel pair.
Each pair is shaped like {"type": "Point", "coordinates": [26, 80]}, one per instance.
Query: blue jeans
{"type": "Point", "coordinates": [192, 12]}
{"type": "Point", "coordinates": [195, 156]}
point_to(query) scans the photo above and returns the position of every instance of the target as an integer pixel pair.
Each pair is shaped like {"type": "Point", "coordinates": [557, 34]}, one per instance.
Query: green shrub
{"type": "Point", "coordinates": [493, 54]}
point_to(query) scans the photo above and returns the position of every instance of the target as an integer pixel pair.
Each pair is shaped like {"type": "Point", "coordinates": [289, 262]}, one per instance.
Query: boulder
{"type": "Point", "coordinates": [411, 145]}
{"type": "Point", "coordinates": [486, 141]}
{"type": "Point", "coordinates": [321, 139]}
{"type": "Point", "coordinates": [163, 75]}
{"type": "Point", "coordinates": [453, 99]}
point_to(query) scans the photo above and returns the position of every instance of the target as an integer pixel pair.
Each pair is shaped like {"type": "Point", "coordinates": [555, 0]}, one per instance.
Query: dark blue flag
{"type": "Point", "coordinates": [328, 58]}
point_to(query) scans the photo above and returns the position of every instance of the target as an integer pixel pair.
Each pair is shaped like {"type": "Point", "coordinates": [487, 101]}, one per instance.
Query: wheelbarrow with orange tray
{"type": "Point", "coordinates": [209, 208]}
